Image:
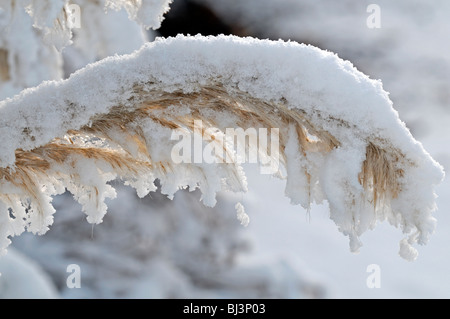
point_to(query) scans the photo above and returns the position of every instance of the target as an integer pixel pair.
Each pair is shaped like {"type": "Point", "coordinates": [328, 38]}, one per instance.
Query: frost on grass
{"type": "Point", "coordinates": [34, 32]}
{"type": "Point", "coordinates": [148, 13]}
{"type": "Point", "coordinates": [25, 60]}
{"type": "Point", "coordinates": [340, 138]}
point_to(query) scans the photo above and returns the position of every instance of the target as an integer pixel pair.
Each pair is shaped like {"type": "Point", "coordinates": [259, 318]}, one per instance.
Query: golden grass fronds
{"type": "Point", "coordinates": [122, 128]}
{"type": "Point", "coordinates": [34, 167]}
{"type": "Point", "coordinates": [379, 174]}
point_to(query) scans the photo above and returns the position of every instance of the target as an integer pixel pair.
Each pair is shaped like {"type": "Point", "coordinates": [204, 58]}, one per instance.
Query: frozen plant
{"type": "Point", "coordinates": [34, 33]}
{"type": "Point", "coordinates": [340, 138]}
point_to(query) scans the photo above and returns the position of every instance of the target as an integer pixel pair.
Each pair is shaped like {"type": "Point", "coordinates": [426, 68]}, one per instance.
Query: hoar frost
{"type": "Point", "coordinates": [241, 215]}
{"type": "Point", "coordinates": [340, 138]}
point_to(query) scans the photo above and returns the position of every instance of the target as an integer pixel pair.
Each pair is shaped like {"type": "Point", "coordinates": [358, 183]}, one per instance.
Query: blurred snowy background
{"type": "Point", "coordinates": [157, 248]}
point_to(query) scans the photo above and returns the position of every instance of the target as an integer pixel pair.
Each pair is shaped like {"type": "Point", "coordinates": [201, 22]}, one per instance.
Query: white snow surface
{"type": "Point", "coordinates": [333, 94]}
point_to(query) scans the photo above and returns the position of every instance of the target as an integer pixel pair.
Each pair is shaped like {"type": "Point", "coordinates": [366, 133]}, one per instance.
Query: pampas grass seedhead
{"type": "Point", "coordinates": [349, 149]}
{"type": "Point", "coordinates": [121, 128]}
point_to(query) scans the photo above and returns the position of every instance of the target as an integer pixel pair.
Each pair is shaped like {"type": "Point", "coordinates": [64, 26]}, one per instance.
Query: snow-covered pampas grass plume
{"type": "Point", "coordinates": [340, 140]}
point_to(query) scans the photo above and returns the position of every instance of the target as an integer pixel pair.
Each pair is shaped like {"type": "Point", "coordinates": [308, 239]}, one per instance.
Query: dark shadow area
{"type": "Point", "coordinates": [187, 17]}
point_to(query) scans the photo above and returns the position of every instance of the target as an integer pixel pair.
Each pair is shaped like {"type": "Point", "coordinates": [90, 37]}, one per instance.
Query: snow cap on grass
{"type": "Point", "coordinates": [340, 138]}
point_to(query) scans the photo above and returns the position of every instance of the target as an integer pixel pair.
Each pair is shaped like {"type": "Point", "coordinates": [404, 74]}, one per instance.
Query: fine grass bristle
{"type": "Point", "coordinates": [379, 174]}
